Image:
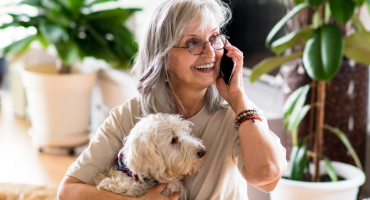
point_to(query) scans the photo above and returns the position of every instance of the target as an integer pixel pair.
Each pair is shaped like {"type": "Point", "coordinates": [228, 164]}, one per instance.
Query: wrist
{"type": "Point", "coordinates": [240, 104]}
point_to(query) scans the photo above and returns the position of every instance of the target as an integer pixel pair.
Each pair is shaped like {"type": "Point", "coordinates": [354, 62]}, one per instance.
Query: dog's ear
{"type": "Point", "coordinates": [142, 156]}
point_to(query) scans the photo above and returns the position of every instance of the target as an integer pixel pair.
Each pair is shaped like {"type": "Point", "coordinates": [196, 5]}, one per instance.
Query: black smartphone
{"type": "Point", "coordinates": [227, 68]}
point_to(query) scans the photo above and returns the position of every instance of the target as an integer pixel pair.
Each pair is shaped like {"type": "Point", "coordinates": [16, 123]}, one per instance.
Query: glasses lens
{"type": "Point", "coordinates": [196, 46]}
{"type": "Point", "coordinates": [218, 42]}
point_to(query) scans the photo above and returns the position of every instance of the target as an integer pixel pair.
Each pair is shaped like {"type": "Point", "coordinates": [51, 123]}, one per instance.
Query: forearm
{"type": "Point", "coordinates": [263, 155]}
{"type": "Point", "coordinates": [72, 188]}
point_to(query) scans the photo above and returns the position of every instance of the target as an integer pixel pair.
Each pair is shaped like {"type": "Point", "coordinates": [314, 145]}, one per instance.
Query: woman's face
{"type": "Point", "coordinates": [195, 71]}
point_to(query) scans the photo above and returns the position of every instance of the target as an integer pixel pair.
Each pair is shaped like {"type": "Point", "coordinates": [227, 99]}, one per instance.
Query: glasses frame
{"type": "Point", "coordinates": [204, 44]}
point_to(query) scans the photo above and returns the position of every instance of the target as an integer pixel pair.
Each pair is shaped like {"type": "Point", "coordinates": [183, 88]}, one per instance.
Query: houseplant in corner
{"type": "Point", "coordinates": [321, 44]}
{"type": "Point", "coordinates": [59, 95]}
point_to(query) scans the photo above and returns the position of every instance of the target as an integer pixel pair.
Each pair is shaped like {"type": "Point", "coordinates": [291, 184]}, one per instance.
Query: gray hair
{"type": "Point", "coordinates": [163, 31]}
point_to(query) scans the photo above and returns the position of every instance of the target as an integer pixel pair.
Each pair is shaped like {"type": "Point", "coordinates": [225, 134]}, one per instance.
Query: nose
{"type": "Point", "coordinates": [208, 50]}
{"type": "Point", "coordinates": [202, 153]}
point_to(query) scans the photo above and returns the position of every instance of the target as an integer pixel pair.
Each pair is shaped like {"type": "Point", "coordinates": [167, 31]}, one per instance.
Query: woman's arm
{"type": "Point", "coordinates": [74, 189]}
{"type": "Point", "coordinates": [263, 155]}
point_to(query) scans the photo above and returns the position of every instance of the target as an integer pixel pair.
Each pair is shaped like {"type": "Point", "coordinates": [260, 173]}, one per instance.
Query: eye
{"type": "Point", "coordinates": [174, 140]}
{"type": "Point", "coordinates": [193, 42]}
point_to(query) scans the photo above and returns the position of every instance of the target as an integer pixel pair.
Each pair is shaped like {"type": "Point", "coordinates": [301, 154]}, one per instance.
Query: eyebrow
{"type": "Point", "coordinates": [193, 35]}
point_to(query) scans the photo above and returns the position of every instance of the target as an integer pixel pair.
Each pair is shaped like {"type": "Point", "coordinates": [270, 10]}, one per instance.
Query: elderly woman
{"type": "Point", "coordinates": [178, 70]}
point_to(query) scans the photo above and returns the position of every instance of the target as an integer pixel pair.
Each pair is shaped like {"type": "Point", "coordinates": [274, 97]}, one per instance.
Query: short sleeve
{"type": "Point", "coordinates": [105, 145]}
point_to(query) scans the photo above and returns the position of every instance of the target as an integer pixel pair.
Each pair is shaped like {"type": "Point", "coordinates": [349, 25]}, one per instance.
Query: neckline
{"type": "Point", "coordinates": [200, 116]}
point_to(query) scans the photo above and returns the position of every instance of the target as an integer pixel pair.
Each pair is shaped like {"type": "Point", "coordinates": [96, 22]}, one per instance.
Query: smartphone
{"type": "Point", "coordinates": [227, 68]}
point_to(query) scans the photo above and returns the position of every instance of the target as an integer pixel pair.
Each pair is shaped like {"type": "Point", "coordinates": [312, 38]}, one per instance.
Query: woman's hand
{"type": "Point", "coordinates": [155, 193]}
{"type": "Point", "coordinates": [233, 93]}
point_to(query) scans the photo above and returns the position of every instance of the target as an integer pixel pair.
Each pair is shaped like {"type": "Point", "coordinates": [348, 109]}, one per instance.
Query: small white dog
{"type": "Point", "coordinates": [159, 149]}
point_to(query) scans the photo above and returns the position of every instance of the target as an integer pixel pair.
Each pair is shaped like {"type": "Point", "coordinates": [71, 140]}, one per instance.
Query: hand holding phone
{"type": "Point", "coordinates": [227, 68]}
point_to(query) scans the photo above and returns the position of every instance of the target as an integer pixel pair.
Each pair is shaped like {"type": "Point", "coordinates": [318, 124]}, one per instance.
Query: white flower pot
{"type": "Point", "coordinates": [58, 106]}
{"type": "Point", "coordinates": [341, 190]}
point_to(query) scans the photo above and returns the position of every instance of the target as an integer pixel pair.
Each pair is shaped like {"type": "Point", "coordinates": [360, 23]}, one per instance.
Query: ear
{"type": "Point", "coordinates": [142, 156]}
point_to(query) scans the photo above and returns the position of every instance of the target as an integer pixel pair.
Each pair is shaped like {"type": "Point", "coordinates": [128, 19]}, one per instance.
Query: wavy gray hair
{"type": "Point", "coordinates": [163, 31]}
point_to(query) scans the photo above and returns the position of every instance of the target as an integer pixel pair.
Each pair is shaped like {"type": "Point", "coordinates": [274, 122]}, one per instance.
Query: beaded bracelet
{"type": "Point", "coordinates": [246, 115]}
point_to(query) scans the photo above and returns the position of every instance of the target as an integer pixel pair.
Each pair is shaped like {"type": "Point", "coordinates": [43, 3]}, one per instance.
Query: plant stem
{"type": "Point", "coordinates": [319, 129]}
{"type": "Point", "coordinates": [311, 125]}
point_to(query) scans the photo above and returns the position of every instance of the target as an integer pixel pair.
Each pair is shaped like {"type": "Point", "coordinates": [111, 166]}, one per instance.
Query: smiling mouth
{"type": "Point", "coordinates": [205, 67]}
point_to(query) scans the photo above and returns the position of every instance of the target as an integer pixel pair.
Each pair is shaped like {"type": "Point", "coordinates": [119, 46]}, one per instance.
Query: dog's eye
{"type": "Point", "coordinates": [174, 140]}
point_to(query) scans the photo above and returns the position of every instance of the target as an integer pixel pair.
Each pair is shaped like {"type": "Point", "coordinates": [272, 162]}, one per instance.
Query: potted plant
{"type": "Point", "coordinates": [321, 44]}
{"type": "Point", "coordinates": [59, 94]}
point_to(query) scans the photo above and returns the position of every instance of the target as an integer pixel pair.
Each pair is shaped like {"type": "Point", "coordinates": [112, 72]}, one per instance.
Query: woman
{"type": "Point", "coordinates": [178, 67]}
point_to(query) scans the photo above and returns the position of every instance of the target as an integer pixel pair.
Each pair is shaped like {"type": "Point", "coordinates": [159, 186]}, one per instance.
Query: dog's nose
{"type": "Point", "coordinates": [201, 153]}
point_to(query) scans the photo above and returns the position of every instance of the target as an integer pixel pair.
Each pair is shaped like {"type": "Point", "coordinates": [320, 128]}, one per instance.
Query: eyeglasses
{"type": "Point", "coordinates": [197, 46]}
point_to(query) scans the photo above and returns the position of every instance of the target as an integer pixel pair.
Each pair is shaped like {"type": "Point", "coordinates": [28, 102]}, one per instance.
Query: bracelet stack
{"type": "Point", "coordinates": [246, 115]}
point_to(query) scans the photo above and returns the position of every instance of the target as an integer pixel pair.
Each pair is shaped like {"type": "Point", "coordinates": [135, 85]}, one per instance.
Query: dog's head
{"type": "Point", "coordinates": [161, 147]}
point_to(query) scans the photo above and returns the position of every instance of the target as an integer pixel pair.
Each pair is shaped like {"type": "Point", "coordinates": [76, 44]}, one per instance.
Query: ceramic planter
{"type": "Point", "coordinates": [344, 190]}
{"type": "Point", "coordinates": [58, 106]}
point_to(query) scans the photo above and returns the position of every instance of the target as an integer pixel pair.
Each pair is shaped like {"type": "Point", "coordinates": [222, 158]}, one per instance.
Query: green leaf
{"type": "Point", "coordinates": [342, 136]}
{"type": "Point", "coordinates": [359, 3]}
{"type": "Point", "coordinates": [100, 1]}
{"type": "Point", "coordinates": [284, 20]}
{"type": "Point", "coordinates": [368, 5]}
{"type": "Point", "coordinates": [357, 47]}
{"type": "Point", "coordinates": [19, 46]}
{"type": "Point", "coordinates": [104, 20]}
{"type": "Point", "coordinates": [291, 40]}
{"type": "Point", "coordinates": [53, 33]}
{"type": "Point", "coordinates": [315, 3]}
{"type": "Point", "coordinates": [35, 3]}
{"type": "Point", "coordinates": [330, 170]}
{"type": "Point", "coordinates": [295, 119]}
{"type": "Point", "coordinates": [296, 2]}
{"type": "Point", "coordinates": [358, 23]}
{"type": "Point", "coordinates": [68, 52]}
{"type": "Point", "coordinates": [323, 53]}
{"type": "Point", "coordinates": [124, 46]}
{"type": "Point", "coordinates": [270, 64]}
{"type": "Point", "coordinates": [294, 111]}
{"type": "Point", "coordinates": [342, 10]}
{"type": "Point", "coordinates": [74, 5]}
{"type": "Point", "coordinates": [300, 162]}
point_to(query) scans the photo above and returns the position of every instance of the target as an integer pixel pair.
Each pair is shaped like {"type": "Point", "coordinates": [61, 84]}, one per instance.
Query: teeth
{"type": "Point", "coordinates": [207, 66]}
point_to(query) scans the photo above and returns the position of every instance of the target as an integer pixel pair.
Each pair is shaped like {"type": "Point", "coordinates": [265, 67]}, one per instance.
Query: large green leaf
{"type": "Point", "coordinates": [359, 2]}
{"type": "Point", "coordinates": [284, 20]}
{"type": "Point", "coordinates": [368, 5]}
{"type": "Point", "coordinates": [315, 3]}
{"type": "Point", "coordinates": [105, 19]}
{"type": "Point", "coordinates": [357, 47]}
{"type": "Point", "coordinates": [299, 163]}
{"type": "Point", "coordinates": [270, 64]}
{"type": "Point", "coordinates": [358, 23]}
{"type": "Point", "coordinates": [323, 53]}
{"type": "Point", "coordinates": [68, 51]}
{"type": "Point", "coordinates": [19, 46]}
{"type": "Point", "coordinates": [291, 40]}
{"type": "Point", "coordinates": [342, 136]}
{"type": "Point", "coordinates": [73, 5]}
{"type": "Point", "coordinates": [342, 10]}
{"type": "Point", "coordinates": [124, 45]}
{"type": "Point", "coordinates": [53, 33]}
{"type": "Point", "coordinates": [296, 2]}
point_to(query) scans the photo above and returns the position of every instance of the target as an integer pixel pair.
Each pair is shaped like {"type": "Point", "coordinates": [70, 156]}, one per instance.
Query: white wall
{"type": "Point", "coordinates": [140, 17]}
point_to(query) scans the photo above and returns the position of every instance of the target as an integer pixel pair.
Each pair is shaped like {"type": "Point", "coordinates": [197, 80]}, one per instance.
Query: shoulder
{"type": "Point", "coordinates": [127, 114]}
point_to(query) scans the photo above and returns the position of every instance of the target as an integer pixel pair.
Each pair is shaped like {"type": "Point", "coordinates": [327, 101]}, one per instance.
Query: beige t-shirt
{"type": "Point", "coordinates": [219, 179]}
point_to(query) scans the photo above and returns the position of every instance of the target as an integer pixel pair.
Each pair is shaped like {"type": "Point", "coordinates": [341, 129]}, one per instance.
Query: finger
{"type": "Point", "coordinates": [174, 196]}
{"type": "Point", "coordinates": [160, 187]}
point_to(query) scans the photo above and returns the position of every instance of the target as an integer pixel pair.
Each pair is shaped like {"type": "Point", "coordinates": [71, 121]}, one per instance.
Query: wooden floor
{"type": "Point", "coordinates": [20, 161]}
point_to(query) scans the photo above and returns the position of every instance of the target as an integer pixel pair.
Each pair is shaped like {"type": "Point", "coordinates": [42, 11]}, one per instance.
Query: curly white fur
{"type": "Point", "coordinates": [159, 147]}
